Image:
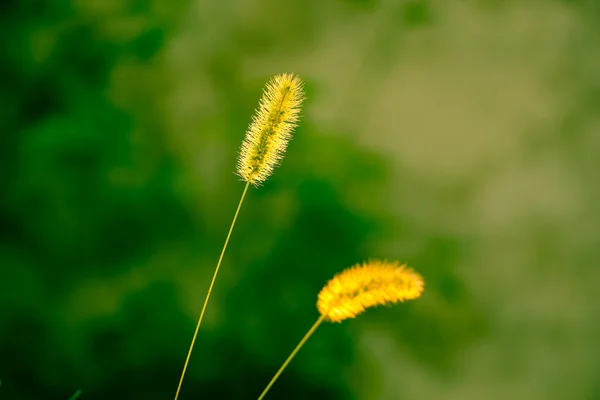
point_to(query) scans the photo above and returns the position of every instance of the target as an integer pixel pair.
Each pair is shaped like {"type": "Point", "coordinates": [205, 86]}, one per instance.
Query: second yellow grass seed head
{"type": "Point", "coordinates": [271, 128]}
{"type": "Point", "coordinates": [373, 283]}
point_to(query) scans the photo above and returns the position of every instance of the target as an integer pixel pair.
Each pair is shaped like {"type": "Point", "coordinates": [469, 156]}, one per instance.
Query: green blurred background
{"type": "Point", "coordinates": [462, 137]}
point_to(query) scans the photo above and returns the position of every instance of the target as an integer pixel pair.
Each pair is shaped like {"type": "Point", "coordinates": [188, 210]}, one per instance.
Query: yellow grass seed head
{"type": "Point", "coordinates": [271, 128]}
{"type": "Point", "coordinates": [371, 284]}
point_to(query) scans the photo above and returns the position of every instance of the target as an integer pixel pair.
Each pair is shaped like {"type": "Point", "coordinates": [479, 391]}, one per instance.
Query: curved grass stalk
{"type": "Point", "coordinates": [354, 290]}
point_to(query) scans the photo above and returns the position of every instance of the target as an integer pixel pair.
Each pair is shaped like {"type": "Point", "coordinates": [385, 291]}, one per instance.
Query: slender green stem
{"type": "Point", "coordinates": [210, 290]}
{"type": "Point", "coordinates": [75, 395]}
{"type": "Point", "coordinates": [304, 339]}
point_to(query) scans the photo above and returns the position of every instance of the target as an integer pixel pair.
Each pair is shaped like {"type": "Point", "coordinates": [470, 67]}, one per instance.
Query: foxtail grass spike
{"type": "Point", "coordinates": [271, 128]}
{"type": "Point", "coordinates": [262, 148]}
{"type": "Point", "coordinates": [371, 284]}
{"type": "Point", "coordinates": [357, 288]}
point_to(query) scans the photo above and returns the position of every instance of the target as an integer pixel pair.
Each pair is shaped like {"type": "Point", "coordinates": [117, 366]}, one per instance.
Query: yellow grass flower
{"type": "Point", "coordinates": [354, 290]}
{"type": "Point", "coordinates": [271, 128]}
{"type": "Point", "coordinates": [371, 284]}
{"type": "Point", "coordinates": [262, 148]}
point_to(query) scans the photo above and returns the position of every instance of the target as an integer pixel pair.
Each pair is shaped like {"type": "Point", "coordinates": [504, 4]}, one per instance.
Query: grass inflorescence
{"type": "Point", "coordinates": [367, 285]}
{"type": "Point", "coordinates": [354, 290]}
{"type": "Point", "coordinates": [271, 128]}
{"type": "Point", "coordinates": [348, 293]}
{"type": "Point", "coordinates": [262, 149]}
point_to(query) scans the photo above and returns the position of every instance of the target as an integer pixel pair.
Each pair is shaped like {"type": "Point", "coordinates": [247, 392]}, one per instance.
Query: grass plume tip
{"type": "Point", "coordinates": [271, 128]}
{"type": "Point", "coordinates": [366, 285]}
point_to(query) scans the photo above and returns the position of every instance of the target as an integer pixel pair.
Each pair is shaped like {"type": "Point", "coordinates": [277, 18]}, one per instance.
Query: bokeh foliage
{"type": "Point", "coordinates": [460, 137]}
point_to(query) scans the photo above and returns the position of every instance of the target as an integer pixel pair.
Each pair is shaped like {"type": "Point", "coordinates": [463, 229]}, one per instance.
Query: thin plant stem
{"type": "Point", "coordinates": [304, 339]}
{"type": "Point", "coordinates": [210, 290]}
{"type": "Point", "coordinates": [75, 395]}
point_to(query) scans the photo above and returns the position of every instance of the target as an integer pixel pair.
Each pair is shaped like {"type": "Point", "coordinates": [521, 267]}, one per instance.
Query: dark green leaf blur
{"type": "Point", "coordinates": [461, 137]}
